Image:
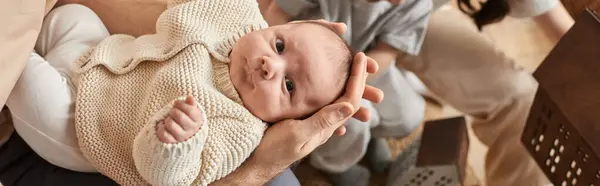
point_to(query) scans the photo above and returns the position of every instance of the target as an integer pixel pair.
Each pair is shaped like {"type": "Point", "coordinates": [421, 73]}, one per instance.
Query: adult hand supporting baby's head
{"type": "Point", "coordinates": [291, 140]}
{"type": "Point", "coordinates": [338, 27]}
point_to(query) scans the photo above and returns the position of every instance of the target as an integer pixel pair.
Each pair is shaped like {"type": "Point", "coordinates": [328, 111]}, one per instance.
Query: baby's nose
{"type": "Point", "coordinates": [271, 67]}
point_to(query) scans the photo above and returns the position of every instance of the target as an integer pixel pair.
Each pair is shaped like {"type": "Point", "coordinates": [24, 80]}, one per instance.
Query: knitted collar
{"type": "Point", "coordinates": [221, 53]}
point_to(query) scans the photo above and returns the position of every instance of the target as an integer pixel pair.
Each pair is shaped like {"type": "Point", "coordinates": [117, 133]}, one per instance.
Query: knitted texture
{"type": "Point", "coordinates": [127, 85]}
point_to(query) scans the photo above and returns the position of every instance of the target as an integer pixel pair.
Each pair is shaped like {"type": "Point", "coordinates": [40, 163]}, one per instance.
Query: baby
{"type": "Point", "coordinates": [187, 105]}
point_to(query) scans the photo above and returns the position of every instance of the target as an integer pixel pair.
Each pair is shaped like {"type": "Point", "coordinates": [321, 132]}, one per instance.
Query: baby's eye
{"type": "Point", "coordinates": [279, 46]}
{"type": "Point", "coordinates": [289, 85]}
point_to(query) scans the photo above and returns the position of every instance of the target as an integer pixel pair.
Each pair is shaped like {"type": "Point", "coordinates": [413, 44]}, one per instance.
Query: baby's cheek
{"type": "Point", "coordinates": [264, 107]}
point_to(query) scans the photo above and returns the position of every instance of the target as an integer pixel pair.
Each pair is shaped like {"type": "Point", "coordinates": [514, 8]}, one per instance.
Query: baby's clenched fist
{"type": "Point", "coordinates": [183, 121]}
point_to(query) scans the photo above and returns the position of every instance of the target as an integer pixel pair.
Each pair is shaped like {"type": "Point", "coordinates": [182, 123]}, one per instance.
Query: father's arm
{"type": "Point", "coordinates": [250, 173]}
{"type": "Point", "coordinates": [25, 20]}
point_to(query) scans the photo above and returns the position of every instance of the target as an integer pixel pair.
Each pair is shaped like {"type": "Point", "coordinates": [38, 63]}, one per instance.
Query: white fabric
{"type": "Point", "coordinates": [41, 103]}
{"type": "Point", "coordinates": [530, 8]}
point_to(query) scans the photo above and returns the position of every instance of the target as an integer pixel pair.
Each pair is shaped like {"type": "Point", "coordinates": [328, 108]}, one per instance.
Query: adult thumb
{"type": "Point", "coordinates": [332, 116]}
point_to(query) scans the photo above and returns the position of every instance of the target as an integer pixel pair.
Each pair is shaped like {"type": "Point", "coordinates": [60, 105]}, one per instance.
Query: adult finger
{"type": "Point", "coordinates": [373, 94]}
{"type": "Point", "coordinates": [372, 65]}
{"type": "Point", "coordinates": [340, 131]}
{"type": "Point", "coordinates": [326, 120]}
{"type": "Point", "coordinates": [362, 114]}
{"type": "Point", "coordinates": [356, 82]}
{"type": "Point", "coordinates": [396, 2]}
{"type": "Point", "coordinates": [338, 27]}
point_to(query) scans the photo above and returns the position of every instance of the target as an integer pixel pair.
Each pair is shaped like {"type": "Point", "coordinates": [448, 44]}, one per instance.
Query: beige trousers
{"type": "Point", "coordinates": [468, 72]}
{"type": "Point", "coordinates": [21, 22]}
{"type": "Point", "coordinates": [42, 101]}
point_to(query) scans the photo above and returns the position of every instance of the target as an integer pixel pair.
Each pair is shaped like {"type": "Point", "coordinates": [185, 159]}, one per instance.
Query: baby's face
{"type": "Point", "coordinates": [287, 71]}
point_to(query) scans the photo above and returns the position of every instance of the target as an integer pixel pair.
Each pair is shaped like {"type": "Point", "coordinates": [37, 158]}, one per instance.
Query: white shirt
{"type": "Point", "coordinates": [530, 8]}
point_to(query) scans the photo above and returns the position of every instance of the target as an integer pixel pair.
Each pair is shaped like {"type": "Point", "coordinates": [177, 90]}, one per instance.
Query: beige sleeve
{"type": "Point", "coordinates": [168, 164]}
{"type": "Point", "coordinates": [25, 20]}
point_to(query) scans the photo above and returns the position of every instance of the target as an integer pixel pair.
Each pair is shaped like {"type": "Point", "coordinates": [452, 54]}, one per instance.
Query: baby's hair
{"type": "Point", "coordinates": [491, 11]}
{"type": "Point", "coordinates": [345, 60]}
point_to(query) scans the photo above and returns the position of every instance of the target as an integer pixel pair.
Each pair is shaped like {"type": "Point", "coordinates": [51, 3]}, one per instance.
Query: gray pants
{"type": "Point", "coordinates": [286, 178]}
{"type": "Point", "coordinates": [401, 111]}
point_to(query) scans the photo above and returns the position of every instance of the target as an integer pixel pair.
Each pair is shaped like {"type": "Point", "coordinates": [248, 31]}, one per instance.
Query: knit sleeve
{"type": "Point", "coordinates": [168, 164]}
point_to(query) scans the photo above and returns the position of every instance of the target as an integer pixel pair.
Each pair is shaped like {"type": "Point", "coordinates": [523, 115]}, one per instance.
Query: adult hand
{"type": "Point", "coordinates": [370, 93]}
{"type": "Point", "coordinates": [291, 140]}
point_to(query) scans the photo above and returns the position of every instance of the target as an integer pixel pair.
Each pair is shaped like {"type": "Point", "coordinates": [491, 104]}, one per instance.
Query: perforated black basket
{"type": "Point", "coordinates": [421, 164]}
{"type": "Point", "coordinates": [564, 156]}
{"type": "Point", "coordinates": [562, 131]}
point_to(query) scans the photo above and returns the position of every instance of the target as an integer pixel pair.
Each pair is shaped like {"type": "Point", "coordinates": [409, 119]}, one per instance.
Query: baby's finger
{"type": "Point", "coordinates": [174, 129]}
{"type": "Point", "coordinates": [190, 100]}
{"type": "Point", "coordinates": [179, 116]}
{"type": "Point", "coordinates": [163, 134]}
{"type": "Point", "coordinates": [192, 112]}
{"type": "Point", "coordinates": [184, 120]}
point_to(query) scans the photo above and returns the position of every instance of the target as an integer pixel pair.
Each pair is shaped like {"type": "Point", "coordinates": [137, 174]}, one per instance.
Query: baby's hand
{"type": "Point", "coordinates": [184, 120]}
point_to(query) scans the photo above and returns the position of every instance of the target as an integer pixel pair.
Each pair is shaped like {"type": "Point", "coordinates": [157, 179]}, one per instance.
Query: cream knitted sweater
{"type": "Point", "coordinates": [126, 86]}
